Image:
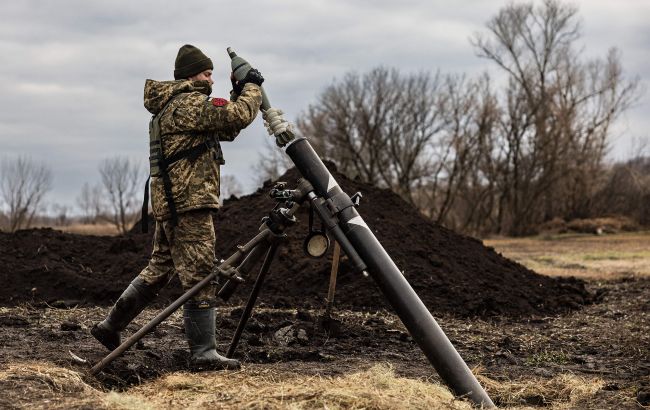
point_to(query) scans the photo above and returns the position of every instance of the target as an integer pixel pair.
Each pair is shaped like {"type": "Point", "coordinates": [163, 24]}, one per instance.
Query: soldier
{"type": "Point", "coordinates": [185, 159]}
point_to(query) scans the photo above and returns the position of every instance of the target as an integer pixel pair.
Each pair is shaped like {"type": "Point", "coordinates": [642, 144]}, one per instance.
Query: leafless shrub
{"type": "Point", "coordinates": [23, 185]}
{"type": "Point", "coordinates": [120, 178]}
{"type": "Point", "coordinates": [61, 214]}
{"type": "Point", "coordinates": [626, 191]}
{"type": "Point", "coordinates": [272, 162]}
{"type": "Point", "coordinates": [90, 203]}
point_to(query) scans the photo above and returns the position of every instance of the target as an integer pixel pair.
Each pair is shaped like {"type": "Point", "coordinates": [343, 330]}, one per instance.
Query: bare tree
{"type": "Point", "coordinates": [379, 126]}
{"type": "Point", "coordinates": [90, 203]}
{"type": "Point", "coordinates": [428, 138]}
{"type": "Point", "coordinates": [23, 185]}
{"type": "Point", "coordinates": [60, 214]}
{"type": "Point", "coordinates": [557, 112]}
{"type": "Point", "coordinates": [475, 157]}
{"type": "Point", "coordinates": [272, 162]}
{"type": "Point", "coordinates": [120, 178]}
{"type": "Point", "coordinates": [459, 182]}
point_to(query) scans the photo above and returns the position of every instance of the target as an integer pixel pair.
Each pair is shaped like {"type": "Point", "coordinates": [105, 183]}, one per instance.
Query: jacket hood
{"type": "Point", "coordinates": [157, 93]}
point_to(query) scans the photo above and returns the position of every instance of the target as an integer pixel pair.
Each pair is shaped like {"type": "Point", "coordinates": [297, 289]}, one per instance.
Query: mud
{"type": "Point", "coordinates": [452, 273]}
{"type": "Point", "coordinates": [607, 340]}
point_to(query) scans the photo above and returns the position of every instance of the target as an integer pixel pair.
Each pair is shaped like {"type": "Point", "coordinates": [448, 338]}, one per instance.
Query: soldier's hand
{"type": "Point", "coordinates": [253, 76]}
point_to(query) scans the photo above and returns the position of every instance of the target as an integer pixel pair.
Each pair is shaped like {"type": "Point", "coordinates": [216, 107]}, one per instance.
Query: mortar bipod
{"type": "Point", "coordinates": [279, 219]}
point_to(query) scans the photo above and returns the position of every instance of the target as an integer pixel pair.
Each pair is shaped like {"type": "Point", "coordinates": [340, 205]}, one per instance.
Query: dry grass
{"type": "Point", "coordinates": [580, 255]}
{"type": "Point", "coordinates": [89, 229]}
{"type": "Point", "coordinates": [565, 391]}
{"type": "Point", "coordinates": [32, 385]}
{"type": "Point", "coordinates": [264, 388]}
{"type": "Point", "coordinates": [46, 386]}
{"type": "Point", "coordinates": [43, 386]}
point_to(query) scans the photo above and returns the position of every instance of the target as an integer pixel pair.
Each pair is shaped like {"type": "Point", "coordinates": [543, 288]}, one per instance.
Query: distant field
{"type": "Point", "coordinates": [582, 255]}
{"type": "Point", "coordinates": [89, 229]}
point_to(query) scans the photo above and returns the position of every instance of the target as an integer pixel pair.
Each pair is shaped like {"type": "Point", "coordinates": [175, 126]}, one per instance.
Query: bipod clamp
{"type": "Point", "coordinates": [279, 192]}
{"type": "Point", "coordinates": [279, 219]}
{"type": "Point", "coordinates": [229, 273]}
{"type": "Point", "coordinates": [273, 225]}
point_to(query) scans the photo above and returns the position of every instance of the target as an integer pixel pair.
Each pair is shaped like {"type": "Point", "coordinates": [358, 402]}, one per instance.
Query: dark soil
{"type": "Point", "coordinates": [451, 273]}
{"type": "Point", "coordinates": [606, 340]}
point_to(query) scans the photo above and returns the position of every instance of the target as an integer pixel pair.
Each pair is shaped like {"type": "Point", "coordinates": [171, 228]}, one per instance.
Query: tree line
{"type": "Point", "coordinates": [116, 199]}
{"type": "Point", "coordinates": [490, 155]}
{"type": "Point", "coordinates": [25, 182]}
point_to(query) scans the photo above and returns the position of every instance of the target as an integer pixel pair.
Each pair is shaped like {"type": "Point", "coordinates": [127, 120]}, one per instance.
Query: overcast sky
{"type": "Point", "coordinates": [72, 72]}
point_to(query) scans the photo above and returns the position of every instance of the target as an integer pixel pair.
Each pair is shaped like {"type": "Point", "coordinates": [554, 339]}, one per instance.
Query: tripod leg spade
{"type": "Point", "coordinates": [335, 269]}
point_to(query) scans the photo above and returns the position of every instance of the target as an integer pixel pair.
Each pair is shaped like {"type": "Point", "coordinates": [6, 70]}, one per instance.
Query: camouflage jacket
{"type": "Point", "coordinates": [192, 119]}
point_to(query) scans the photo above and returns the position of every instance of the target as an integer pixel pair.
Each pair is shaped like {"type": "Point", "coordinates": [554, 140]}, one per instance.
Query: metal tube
{"type": "Point", "coordinates": [415, 316]}
{"type": "Point", "coordinates": [418, 320]}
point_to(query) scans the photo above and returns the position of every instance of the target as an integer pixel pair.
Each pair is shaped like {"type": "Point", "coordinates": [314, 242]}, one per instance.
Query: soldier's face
{"type": "Point", "coordinates": [205, 75]}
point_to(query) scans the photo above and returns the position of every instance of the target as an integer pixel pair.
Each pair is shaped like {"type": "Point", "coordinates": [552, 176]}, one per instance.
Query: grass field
{"type": "Point", "coordinates": [580, 255]}
{"type": "Point", "coordinates": [89, 229]}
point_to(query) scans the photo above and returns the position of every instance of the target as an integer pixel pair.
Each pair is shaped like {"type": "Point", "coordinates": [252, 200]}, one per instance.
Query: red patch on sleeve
{"type": "Point", "coordinates": [219, 102]}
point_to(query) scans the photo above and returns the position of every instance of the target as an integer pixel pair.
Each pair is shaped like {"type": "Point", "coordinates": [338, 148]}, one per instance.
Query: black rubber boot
{"type": "Point", "coordinates": [199, 329]}
{"type": "Point", "coordinates": [132, 301]}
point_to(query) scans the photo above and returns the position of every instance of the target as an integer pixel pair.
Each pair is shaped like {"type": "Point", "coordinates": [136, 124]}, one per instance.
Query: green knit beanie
{"type": "Point", "coordinates": [190, 61]}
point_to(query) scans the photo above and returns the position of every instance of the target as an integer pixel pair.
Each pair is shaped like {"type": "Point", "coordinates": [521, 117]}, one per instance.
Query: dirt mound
{"type": "Point", "coordinates": [452, 273]}
{"type": "Point", "coordinates": [44, 265]}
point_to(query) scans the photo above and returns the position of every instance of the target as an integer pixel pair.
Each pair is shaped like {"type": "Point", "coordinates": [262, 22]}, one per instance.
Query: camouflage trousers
{"type": "Point", "coordinates": [186, 249]}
